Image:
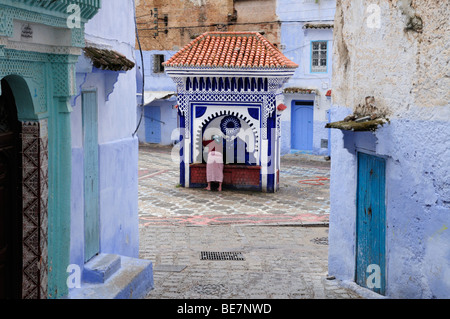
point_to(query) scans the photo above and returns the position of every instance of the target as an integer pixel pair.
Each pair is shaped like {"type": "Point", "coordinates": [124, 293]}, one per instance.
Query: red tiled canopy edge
{"type": "Point", "coordinates": [230, 49]}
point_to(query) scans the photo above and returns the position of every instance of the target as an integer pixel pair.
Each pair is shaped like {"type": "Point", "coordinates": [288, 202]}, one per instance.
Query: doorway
{"type": "Point", "coordinates": [153, 124]}
{"type": "Point", "coordinates": [10, 197]}
{"type": "Point", "coordinates": [91, 175]}
{"type": "Point", "coordinates": [302, 125]}
{"type": "Point", "coordinates": [371, 223]}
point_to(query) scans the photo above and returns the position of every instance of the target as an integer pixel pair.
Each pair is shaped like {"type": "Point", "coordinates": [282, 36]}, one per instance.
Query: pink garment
{"type": "Point", "coordinates": [213, 146]}
{"type": "Point", "coordinates": [214, 167]}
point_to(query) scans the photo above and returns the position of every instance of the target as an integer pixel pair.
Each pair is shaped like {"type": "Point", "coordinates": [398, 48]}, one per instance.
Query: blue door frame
{"type": "Point", "coordinates": [371, 223]}
{"type": "Point", "coordinates": [91, 175]}
{"type": "Point", "coordinates": [302, 114]}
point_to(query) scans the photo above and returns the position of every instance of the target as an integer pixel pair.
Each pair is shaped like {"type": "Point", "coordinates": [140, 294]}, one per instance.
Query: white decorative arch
{"type": "Point", "coordinates": [216, 111]}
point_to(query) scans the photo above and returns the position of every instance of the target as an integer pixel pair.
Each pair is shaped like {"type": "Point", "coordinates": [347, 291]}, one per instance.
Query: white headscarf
{"type": "Point", "coordinates": [216, 138]}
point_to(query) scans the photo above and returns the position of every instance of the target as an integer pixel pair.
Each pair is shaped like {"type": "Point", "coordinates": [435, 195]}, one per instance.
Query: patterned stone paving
{"type": "Point", "coordinates": [281, 259]}
{"type": "Point", "coordinates": [303, 197]}
{"type": "Point", "coordinates": [286, 262]}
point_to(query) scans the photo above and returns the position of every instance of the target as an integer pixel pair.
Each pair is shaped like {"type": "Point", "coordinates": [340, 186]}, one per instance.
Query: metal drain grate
{"type": "Point", "coordinates": [210, 289]}
{"type": "Point", "coordinates": [225, 255]}
{"type": "Point", "coordinates": [320, 240]}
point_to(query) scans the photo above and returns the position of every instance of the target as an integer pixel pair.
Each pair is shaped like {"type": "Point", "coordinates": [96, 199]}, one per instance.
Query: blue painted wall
{"type": "Point", "coordinates": [169, 132]}
{"type": "Point", "coordinates": [157, 82]}
{"type": "Point", "coordinates": [118, 149]}
{"type": "Point", "coordinates": [118, 197]}
{"type": "Point", "coordinates": [417, 205]}
{"type": "Point", "coordinates": [296, 45]}
{"type": "Point", "coordinates": [154, 81]}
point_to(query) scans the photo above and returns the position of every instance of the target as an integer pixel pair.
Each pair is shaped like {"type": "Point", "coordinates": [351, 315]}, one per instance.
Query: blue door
{"type": "Point", "coordinates": [371, 223]}
{"type": "Point", "coordinates": [91, 175]}
{"type": "Point", "coordinates": [302, 125]}
{"type": "Point", "coordinates": [153, 124]}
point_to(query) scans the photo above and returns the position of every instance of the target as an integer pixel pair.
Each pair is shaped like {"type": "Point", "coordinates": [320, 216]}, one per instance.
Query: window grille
{"type": "Point", "coordinates": [158, 60]}
{"type": "Point", "coordinates": [319, 56]}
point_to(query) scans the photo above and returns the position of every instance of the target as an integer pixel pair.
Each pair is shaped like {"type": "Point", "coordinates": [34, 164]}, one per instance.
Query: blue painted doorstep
{"type": "Point", "coordinates": [132, 280]}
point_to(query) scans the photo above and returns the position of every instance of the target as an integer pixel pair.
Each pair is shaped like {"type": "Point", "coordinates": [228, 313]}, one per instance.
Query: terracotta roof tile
{"type": "Point", "coordinates": [300, 90]}
{"type": "Point", "coordinates": [318, 26]}
{"type": "Point", "coordinates": [230, 49]}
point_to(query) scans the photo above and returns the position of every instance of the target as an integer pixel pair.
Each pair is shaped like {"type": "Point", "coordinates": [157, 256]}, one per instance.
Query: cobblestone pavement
{"type": "Point", "coordinates": [280, 262]}
{"type": "Point", "coordinates": [282, 237]}
{"type": "Point", "coordinates": [303, 197]}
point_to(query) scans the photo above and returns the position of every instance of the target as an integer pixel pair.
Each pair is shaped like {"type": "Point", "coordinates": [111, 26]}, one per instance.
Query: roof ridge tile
{"type": "Point", "coordinates": [238, 49]}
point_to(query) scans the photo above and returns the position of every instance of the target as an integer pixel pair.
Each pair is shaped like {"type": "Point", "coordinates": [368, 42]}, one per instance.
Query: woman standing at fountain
{"type": "Point", "coordinates": [214, 163]}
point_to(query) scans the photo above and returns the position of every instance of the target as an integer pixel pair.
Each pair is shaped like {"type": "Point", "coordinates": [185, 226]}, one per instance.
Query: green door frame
{"type": "Point", "coordinates": [45, 116]}
{"type": "Point", "coordinates": [43, 84]}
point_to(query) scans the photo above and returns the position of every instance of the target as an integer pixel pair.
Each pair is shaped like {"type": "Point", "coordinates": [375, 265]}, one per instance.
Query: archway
{"type": "Point", "coordinates": [27, 187]}
{"type": "Point", "coordinates": [10, 197]}
{"type": "Point", "coordinates": [23, 101]}
{"type": "Point", "coordinates": [239, 138]}
{"type": "Point", "coordinates": [210, 123]}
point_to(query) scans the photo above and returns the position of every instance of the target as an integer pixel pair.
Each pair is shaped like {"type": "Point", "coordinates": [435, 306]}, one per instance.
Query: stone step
{"type": "Point", "coordinates": [133, 280]}
{"type": "Point", "coordinates": [100, 268]}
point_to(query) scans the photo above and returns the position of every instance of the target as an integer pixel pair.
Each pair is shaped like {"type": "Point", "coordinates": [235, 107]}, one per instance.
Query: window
{"type": "Point", "coordinates": [158, 60]}
{"type": "Point", "coordinates": [319, 56]}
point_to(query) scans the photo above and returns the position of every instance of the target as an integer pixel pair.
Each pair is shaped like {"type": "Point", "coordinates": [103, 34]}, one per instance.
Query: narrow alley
{"type": "Point", "coordinates": [224, 149]}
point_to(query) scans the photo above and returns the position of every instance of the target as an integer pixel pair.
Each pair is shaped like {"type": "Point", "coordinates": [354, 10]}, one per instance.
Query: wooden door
{"type": "Point", "coordinates": [91, 175]}
{"type": "Point", "coordinates": [302, 125]}
{"type": "Point", "coordinates": [10, 214]}
{"type": "Point", "coordinates": [371, 223]}
{"type": "Point", "coordinates": [153, 124]}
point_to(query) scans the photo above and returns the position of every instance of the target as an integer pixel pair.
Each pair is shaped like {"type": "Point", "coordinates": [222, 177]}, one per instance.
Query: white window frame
{"type": "Point", "coordinates": [319, 56]}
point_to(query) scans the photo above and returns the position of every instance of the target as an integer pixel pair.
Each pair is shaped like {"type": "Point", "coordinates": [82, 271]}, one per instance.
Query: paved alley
{"type": "Point", "coordinates": [280, 239]}
{"type": "Point", "coordinates": [303, 197]}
